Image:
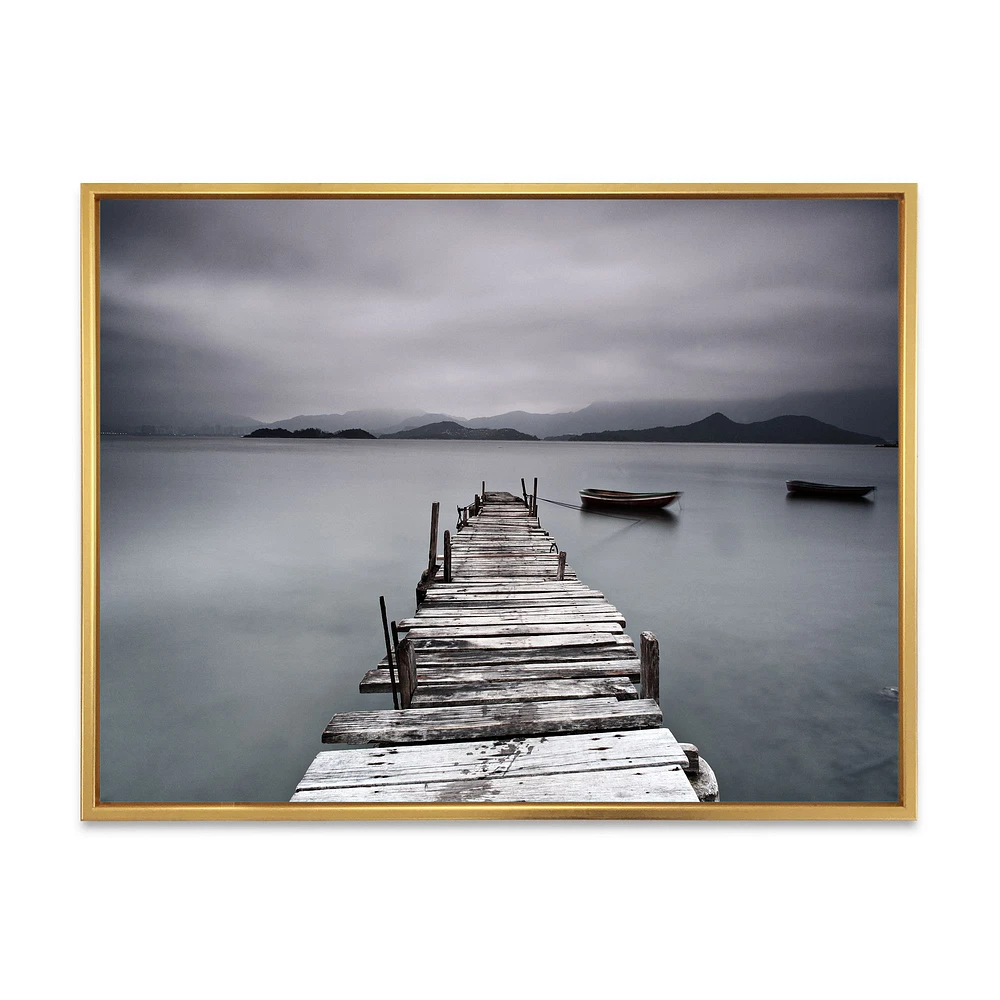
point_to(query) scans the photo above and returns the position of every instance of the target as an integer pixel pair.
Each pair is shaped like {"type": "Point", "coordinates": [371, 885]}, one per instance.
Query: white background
{"type": "Point", "coordinates": [499, 92]}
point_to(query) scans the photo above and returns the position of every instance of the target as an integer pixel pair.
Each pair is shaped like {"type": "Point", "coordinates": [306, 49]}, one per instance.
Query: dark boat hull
{"type": "Point", "coordinates": [631, 501]}
{"type": "Point", "coordinates": [802, 488]}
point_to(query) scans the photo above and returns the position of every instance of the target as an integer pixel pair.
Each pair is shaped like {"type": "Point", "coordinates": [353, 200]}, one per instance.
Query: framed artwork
{"type": "Point", "coordinates": [498, 501]}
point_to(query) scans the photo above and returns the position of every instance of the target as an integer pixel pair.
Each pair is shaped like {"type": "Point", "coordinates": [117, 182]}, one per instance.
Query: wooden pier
{"type": "Point", "coordinates": [516, 682]}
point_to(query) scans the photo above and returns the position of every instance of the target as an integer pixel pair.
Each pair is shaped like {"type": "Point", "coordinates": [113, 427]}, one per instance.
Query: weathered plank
{"type": "Point", "coordinates": [655, 784]}
{"type": "Point", "coordinates": [592, 611]}
{"type": "Point", "coordinates": [513, 587]}
{"type": "Point", "coordinates": [472, 572]}
{"type": "Point", "coordinates": [519, 757]}
{"type": "Point", "coordinates": [504, 543]}
{"type": "Point", "coordinates": [510, 542]}
{"type": "Point", "coordinates": [583, 599]}
{"type": "Point", "coordinates": [503, 533]}
{"type": "Point", "coordinates": [510, 657]}
{"type": "Point", "coordinates": [586, 623]}
{"type": "Point", "coordinates": [477, 722]}
{"type": "Point", "coordinates": [429, 694]}
{"type": "Point", "coordinates": [526, 592]}
{"type": "Point", "coordinates": [562, 641]}
{"type": "Point", "coordinates": [507, 530]}
{"type": "Point", "coordinates": [512, 558]}
{"type": "Point", "coordinates": [542, 547]}
{"type": "Point", "coordinates": [514, 555]}
{"type": "Point", "coordinates": [534, 601]}
{"type": "Point", "coordinates": [516, 629]}
{"type": "Point", "coordinates": [377, 679]}
{"type": "Point", "coordinates": [508, 585]}
{"type": "Point", "coordinates": [539, 573]}
{"type": "Point", "coordinates": [514, 598]}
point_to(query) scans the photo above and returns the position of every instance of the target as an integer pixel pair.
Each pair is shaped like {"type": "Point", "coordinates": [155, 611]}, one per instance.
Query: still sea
{"type": "Point", "coordinates": [240, 583]}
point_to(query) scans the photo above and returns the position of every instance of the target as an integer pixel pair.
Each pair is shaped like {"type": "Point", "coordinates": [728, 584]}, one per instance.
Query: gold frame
{"type": "Point", "coordinates": [91, 808]}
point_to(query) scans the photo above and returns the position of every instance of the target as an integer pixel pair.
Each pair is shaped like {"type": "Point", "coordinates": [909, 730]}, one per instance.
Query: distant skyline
{"type": "Point", "coordinates": [268, 309]}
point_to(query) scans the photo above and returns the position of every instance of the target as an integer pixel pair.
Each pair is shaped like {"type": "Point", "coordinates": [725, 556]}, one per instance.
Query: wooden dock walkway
{"type": "Point", "coordinates": [516, 683]}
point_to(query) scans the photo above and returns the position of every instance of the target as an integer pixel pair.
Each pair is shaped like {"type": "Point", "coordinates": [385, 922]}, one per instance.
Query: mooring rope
{"type": "Point", "coordinates": [599, 513]}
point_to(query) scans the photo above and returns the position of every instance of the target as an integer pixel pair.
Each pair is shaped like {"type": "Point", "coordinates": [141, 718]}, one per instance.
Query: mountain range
{"type": "Point", "coordinates": [719, 429]}
{"type": "Point", "coordinates": [864, 411]}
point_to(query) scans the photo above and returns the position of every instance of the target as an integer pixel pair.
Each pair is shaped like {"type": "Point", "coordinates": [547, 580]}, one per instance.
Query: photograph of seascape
{"type": "Point", "coordinates": [287, 387]}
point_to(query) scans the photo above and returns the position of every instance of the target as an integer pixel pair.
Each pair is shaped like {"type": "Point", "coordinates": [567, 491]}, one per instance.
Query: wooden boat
{"type": "Point", "coordinates": [617, 498]}
{"type": "Point", "coordinates": [803, 488]}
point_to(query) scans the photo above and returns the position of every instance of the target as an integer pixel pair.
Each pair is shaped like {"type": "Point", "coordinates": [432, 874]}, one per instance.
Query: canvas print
{"type": "Point", "coordinates": [499, 500]}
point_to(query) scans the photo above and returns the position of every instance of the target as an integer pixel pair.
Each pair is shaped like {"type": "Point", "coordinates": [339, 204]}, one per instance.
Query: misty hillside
{"type": "Point", "coordinates": [373, 419]}
{"type": "Point", "coordinates": [719, 429]}
{"type": "Point", "coordinates": [448, 430]}
{"type": "Point", "coordinates": [865, 411]}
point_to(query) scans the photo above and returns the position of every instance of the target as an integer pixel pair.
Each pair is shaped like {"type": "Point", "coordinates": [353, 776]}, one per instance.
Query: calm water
{"type": "Point", "coordinates": [240, 583]}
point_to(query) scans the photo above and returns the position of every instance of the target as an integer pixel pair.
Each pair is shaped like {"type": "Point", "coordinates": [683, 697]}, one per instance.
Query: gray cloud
{"type": "Point", "coordinates": [272, 308]}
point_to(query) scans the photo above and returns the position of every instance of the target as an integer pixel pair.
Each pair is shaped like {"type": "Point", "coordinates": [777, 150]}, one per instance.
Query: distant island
{"type": "Point", "coordinates": [448, 430]}
{"type": "Point", "coordinates": [308, 432]}
{"type": "Point", "coordinates": [719, 429]}
{"type": "Point", "coordinates": [355, 432]}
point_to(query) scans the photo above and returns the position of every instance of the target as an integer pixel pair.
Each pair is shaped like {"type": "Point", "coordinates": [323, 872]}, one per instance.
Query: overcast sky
{"type": "Point", "coordinates": [269, 309]}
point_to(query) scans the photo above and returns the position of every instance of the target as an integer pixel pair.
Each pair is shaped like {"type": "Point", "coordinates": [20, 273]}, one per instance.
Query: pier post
{"type": "Point", "coordinates": [407, 672]}
{"type": "Point", "coordinates": [649, 667]}
{"type": "Point", "coordinates": [693, 755]}
{"type": "Point", "coordinates": [484, 488]}
{"type": "Point", "coordinates": [524, 492]}
{"type": "Point", "coordinates": [700, 774]}
{"type": "Point", "coordinates": [447, 556]}
{"type": "Point", "coordinates": [534, 498]}
{"type": "Point", "coordinates": [432, 554]}
{"type": "Point", "coordinates": [561, 573]}
{"type": "Point", "coordinates": [389, 652]}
